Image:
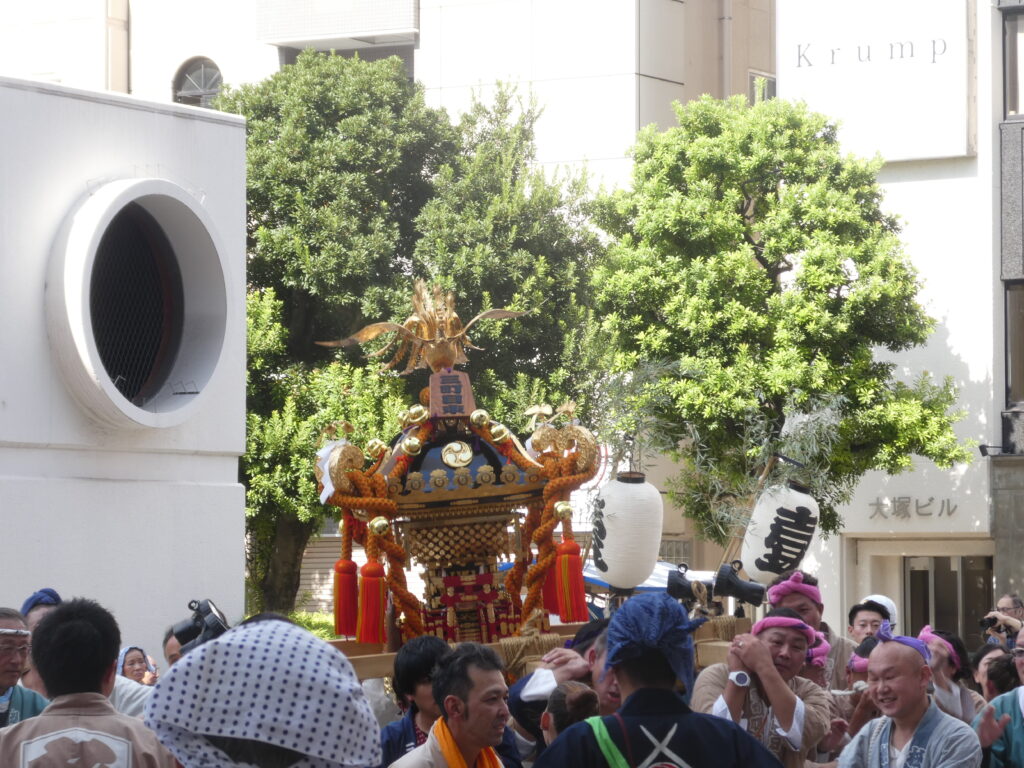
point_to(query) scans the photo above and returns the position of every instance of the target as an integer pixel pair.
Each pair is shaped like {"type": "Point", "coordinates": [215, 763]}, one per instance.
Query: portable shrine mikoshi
{"type": "Point", "coordinates": [446, 491]}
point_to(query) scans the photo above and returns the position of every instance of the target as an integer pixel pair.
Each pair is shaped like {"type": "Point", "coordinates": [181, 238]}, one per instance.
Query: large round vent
{"type": "Point", "coordinates": [137, 303]}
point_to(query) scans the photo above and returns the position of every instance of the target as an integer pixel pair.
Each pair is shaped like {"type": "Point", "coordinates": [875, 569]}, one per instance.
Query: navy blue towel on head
{"type": "Point", "coordinates": [654, 621]}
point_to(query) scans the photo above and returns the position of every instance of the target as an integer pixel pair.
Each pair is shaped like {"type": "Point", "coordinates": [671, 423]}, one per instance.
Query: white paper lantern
{"type": "Point", "coordinates": [780, 531]}
{"type": "Point", "coordinates": [627, 530]}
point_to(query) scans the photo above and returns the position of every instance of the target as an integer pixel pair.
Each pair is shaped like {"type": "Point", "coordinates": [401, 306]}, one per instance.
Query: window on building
{"type": "Point", "coordinates": [1014, 345]}
{"type": "Point", "coordinates": [1013, 65]}
{"type": "Point", "coordinates": [197, 83]}
{"type": "Point", "coordinates": [675, 551]}
{"type": "Point", "coordinates": [760, 86]}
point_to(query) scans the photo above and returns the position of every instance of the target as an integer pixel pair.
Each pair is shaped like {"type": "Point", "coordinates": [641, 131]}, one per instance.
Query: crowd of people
{"type": "Point", "coordinates": [623, 692]}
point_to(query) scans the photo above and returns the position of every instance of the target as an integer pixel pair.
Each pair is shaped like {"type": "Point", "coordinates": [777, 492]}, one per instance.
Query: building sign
{"type": "Point", "coordinates": [909, 508]}
{"type": "Point", "coordinates": [897, 75]}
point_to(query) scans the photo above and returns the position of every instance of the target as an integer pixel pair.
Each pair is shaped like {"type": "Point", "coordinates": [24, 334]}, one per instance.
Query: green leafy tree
{"type": "Point", "coordinates": [756, 259]}
{"type": "Point", "coordinates": [341, 156]}
{"type": "Point", "coordinates": [356, 188]}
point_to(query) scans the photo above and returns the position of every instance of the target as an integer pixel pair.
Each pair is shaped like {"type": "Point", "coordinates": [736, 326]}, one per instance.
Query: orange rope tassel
{"type": "Point", "coordinates": [346, 597]}
{"type": "Point", "coordinates": [572, 602]}
{"type": "Point", "coordinates": [372, 601]}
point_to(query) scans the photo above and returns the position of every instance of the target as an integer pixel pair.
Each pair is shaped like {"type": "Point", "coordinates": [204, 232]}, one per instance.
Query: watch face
{"type": "Point", "coordinates": [740, 678]}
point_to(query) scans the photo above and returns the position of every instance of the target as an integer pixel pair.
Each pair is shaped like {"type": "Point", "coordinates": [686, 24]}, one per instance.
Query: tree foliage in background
{"type": "Point", "coordinates": [756, 259]}
{"type": "Point", "coordinates": [501, 234]}
{"type": "Point", "coordinates": [356, 188]}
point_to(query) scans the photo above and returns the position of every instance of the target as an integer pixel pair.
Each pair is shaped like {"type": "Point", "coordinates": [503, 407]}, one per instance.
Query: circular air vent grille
{"type": "Point", "coordinates": [135, 302]}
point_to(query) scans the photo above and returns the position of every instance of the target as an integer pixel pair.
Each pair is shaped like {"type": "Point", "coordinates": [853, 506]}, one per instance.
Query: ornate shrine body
{"type": "Point", "coordinates": [447, 493]}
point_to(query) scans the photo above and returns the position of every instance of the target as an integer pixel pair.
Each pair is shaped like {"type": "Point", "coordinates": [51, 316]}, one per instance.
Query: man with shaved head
{"type": "Point", "coordinates": [912, 732]}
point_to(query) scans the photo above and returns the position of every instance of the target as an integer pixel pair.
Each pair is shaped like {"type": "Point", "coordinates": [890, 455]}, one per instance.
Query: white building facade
{"type": "Point", "coordinates": [122, 389]}
{"type": "Point", "coordinates": [920, 83]}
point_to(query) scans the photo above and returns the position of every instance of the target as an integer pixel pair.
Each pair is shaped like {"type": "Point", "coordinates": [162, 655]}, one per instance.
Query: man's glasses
{"type": "Point", "coordinates": [1018, 653]}
{"type": "Point", "coordinates": [7, 651]}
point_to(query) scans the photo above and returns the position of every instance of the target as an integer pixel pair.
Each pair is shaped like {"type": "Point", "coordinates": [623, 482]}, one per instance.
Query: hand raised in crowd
{"type": "Point", "coordinates": [566, 664]}
{"type": "Point", "coordinates": [864, 710]}
{"type": "Point", "coordinates": [749, 654]}
{"type": "Point", "coordinates": [989, 729]}
{"type": "Point", "coordinates": [834, 738]}
{"type": "Point", "coordinates": [1005, 621]}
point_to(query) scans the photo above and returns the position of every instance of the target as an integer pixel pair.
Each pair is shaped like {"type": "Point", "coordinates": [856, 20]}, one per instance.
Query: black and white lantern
{"type": "Point", "coordinates": [627, 530]}
{"type": "Point", "coordinates": [780, 531]}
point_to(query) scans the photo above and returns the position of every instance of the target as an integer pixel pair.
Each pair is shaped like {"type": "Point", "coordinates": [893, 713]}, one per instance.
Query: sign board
{"type": "Point", "coordinates": [897, 75]}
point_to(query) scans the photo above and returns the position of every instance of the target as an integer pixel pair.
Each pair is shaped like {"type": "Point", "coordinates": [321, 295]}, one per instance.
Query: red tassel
{"type": "Point", "coordinates": [372, 601]}
{"type": "Point", "coordinates": [346, 598]}
{"type": "Point", "coordinates": [549, 592]}
{"type": "Point", "coordinates": [572, 601]}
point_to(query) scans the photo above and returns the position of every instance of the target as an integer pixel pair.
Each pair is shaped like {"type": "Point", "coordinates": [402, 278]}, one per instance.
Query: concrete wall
{"type": "Point", "coordinates": [141, 518]}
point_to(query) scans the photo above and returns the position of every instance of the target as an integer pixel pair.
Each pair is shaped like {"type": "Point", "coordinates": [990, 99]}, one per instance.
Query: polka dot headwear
{"type": "Point", "coordinates": [272, 682]}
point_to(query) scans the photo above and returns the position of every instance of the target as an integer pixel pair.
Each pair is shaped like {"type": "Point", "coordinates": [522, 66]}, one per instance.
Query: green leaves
{"type": "Point", "coordinates": [356, 188]}
{"type": "Point", "coordinates": [751, 252]}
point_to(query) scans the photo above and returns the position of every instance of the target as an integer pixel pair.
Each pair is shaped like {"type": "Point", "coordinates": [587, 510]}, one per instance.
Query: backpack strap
{"type": "Point", "coordinates": [611, 752]}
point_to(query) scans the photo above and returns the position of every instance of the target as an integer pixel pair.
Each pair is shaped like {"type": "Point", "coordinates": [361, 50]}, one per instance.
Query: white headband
{"type": "Point", "coordinates": [16, 632]}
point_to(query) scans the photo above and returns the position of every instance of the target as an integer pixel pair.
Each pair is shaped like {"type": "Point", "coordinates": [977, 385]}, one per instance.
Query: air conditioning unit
{"type": "Point", "coordinates": [122, 383]}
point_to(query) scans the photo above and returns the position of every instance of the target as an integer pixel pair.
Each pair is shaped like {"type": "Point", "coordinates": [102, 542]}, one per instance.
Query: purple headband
{"type": "Point", "coordinates": [785, 622]}
{"type": "Point", "coordinates": [926, 634]}
{"type": "Point", "coordinates": [816, 655]}
{"type": "Point", "coordinates": [794, 583]}
{"type": "Point", "coordinates": [885, 635]}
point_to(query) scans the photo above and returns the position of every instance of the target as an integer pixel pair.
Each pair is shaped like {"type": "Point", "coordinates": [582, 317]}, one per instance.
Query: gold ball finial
{"type": "Point", "coordinates": [418, 414]}
{"type": "Point", "coordinates": [500, 433]}
{"type": "Point", "coordinates": [375, 448]}
{"type": "Point", "coordinates": [479, 418]}
{"type": "Point", "coordinates": [563, 510]}
{"type": "Point", "coordinates": [412, 446]}
{"type": "Point", "coordinates": [380, 525]}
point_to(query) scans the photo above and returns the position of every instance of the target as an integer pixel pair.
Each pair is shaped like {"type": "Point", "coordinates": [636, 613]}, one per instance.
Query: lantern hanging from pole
{"type": "Point", "coordinates": [780, 531]}
{"type": "Point", "coordinates": [627, 530]}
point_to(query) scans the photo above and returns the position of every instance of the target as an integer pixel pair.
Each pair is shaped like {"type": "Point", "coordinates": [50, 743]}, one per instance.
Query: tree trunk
{"type": "Point", "coordinates": [281, 583]}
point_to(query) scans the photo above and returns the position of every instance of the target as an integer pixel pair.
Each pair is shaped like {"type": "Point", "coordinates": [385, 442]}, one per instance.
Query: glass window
{"type": "Point", "coordinates": [1014, 345]}
{"type": "Point", "coordinates": [760, 87]}
{"type": "Point", "coordinates": [197, 83]}
{"type": "Point", "coordinates": [1013, 76]}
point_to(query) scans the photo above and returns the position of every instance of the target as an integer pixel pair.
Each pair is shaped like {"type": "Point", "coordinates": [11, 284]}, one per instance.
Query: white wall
{"type": "Point", "coordinates": [578, 58]}
{"type": "Point", "coordinates": [166, 35]}
{"type": "Point", "coordinates": [143, 519]}
{"type": "Point", "coordinates": [948, 209]}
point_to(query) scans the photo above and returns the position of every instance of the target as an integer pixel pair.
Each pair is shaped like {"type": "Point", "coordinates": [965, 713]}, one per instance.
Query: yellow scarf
{"type": "Point", "coordinates": [453, 756]}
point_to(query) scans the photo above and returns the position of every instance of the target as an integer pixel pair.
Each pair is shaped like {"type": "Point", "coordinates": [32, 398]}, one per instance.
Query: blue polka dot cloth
{"type": "Point", "coordinates": [272, 682]}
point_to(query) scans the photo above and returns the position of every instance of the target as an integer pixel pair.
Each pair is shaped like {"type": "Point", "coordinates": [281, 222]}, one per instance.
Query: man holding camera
{"type": "Point", "coordinates": [1004, 622]}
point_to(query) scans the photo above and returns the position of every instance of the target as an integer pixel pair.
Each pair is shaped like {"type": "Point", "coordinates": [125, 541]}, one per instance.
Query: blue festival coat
{"type": "Point", "coordinates": [663, 731]}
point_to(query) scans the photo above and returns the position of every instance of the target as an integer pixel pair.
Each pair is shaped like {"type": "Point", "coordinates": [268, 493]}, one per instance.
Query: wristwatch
{"type": "Point", "coordinates": [740, 678]}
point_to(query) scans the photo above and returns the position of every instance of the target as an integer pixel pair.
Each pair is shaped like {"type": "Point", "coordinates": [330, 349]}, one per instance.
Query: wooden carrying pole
{"type": "Point", "coordinates": [369, 661]}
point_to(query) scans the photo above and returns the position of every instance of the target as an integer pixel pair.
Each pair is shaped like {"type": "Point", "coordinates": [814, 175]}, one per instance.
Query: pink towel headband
{"type": "Point", "coordinates": [785, 622]}
{"type": "Point", "coordinates": [857, 663]}
{"type": "Point", "coordinates": [794, 583]}
{"type": "Point", "coordinates": [926, 634]}
{"type": "Point", "coordinates": [817, 655]}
